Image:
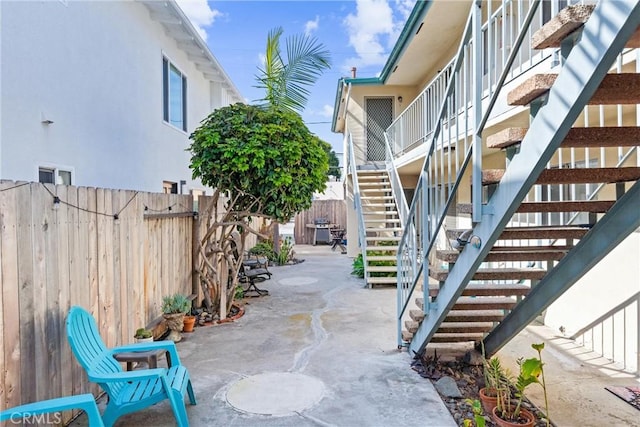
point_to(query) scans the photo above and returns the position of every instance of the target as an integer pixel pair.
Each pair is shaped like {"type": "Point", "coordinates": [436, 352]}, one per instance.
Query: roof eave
{"type": "Point", "coordinates": [185, 26]}
{"type": "Point", "coordinates": [417, 14]}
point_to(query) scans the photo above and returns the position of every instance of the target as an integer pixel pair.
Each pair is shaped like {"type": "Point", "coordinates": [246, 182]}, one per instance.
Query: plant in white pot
{"type": "Point", "coordinates": [143, 335]}
{"type": "Point", "coordinates": [174, 308]}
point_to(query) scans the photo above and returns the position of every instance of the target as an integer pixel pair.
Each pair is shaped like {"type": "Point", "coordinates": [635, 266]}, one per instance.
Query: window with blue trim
{"type": "Point", "coordinates": [174, 95]}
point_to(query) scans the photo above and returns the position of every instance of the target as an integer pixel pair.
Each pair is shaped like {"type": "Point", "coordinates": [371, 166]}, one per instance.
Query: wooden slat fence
{"type": "Point", "coordinates": [333, 210]}
{"type": "Point", "coordinates": [79, 254]}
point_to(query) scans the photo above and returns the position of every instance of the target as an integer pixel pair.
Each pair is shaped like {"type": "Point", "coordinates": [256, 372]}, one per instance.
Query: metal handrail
{"type": "Point", "coordinates": [357, 201]}
{"type": "Point", "coordinates": [396, 184]}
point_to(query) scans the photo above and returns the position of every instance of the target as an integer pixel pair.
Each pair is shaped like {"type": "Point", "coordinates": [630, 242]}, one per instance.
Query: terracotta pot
{"type": "Point", "coordinates": [488, 401]}
{"type": "Point", "coordinates": [527, 419]}
{"type": "Point", "coordinates": [189, 322]}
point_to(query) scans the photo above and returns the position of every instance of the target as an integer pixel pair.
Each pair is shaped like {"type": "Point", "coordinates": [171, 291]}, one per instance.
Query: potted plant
{"type": "Point", "coordinates": [507, 414]}
{"type": "Point", "coordinates": [174, 308]}
{"type": "Point", "coordinates": [143, 335]}
{"type": "Point", "coordinates": [494, 377]}
{"type": "Point", "coordinates": [189, 322]}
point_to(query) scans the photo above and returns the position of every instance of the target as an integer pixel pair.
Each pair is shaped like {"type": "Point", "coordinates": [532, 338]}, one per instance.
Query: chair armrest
{"type": "Point", "coordinates": [85, 402]}
{"type": "Point", "coordinates": [169, 346]}
{"type": "Point", "coordinates": [141, 374]}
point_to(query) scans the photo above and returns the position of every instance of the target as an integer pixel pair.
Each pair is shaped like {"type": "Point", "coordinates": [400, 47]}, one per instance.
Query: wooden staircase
{"type": "Point", "coordinates": [494, 289]}
{"type": "Point", "coordinates": [382, 227]}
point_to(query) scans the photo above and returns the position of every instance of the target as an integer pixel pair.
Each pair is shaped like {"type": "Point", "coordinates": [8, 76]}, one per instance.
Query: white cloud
{"type": "Point", "coordinates": [327, 111]}
{"type": "Point", "coordinates": [372, 21]}
{"type": "Point", "coordinates": [311, 26]}
{"type": "Point", "coordinates": [405, 7]}
{"type": "Point", "coordinates": [200, 14]}
{"type": "Point", "coordinates": [373, 29]}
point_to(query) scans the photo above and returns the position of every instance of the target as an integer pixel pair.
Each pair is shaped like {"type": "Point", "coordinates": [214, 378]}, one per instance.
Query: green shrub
{"type": "Point", "coordinates": [357, 269]}
{"type": "Point", "coordinates": [286, 251]}
{"type": "Point", "coordinates": [176, 303]}
{"type": "Point", "coordinates": [264, 249]}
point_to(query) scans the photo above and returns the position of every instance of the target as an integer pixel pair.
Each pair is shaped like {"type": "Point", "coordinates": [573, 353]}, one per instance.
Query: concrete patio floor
{"type": "Point", "coordinates": [320, 350]}
{"type": "Point", "coordinates": [320, 323]}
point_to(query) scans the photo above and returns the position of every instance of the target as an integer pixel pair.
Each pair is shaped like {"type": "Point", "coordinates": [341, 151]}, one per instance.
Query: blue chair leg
{"type": "Point", "coordinates": [192, 396]}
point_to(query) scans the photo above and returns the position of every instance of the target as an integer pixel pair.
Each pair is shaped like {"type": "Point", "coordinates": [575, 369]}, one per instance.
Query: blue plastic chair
{"type": "Point", "coordinates": [30, 412]}
{"type": "Point", "coordinates": [128, 391]}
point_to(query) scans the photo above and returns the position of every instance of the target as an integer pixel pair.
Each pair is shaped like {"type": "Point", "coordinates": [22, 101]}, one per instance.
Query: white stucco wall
{"type": "Point", "coordinates": [610, 282]}
{"type": "Point", "coordinates": [95, 70]}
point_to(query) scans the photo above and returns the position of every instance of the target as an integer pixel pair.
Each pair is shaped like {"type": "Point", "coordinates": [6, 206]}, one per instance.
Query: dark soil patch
{"type": "Point", "coordinates": [469, 380]}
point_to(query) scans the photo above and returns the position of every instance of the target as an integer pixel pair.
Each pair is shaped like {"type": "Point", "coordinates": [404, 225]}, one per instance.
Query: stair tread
{"type": "Point", "coordinates": [464, 337]}
{"type": "Point", "coordinates": [407, 336]}
{"type": "Point", "coordinates": [411, 325]}
{"type": "Point", "coordinates": [597, 206]}
{"type": "Point", "coordinates": [382, 257]}
{"type": "Point", "coordinates": [586, 137]}
{"type": "Point", "coordinates": [382, 268]}
{"type": "Point", "coordinates": [619, 88]}
{"type": "Point", "coordinates": [553, 32]}
{"type": "Point", "coordinates": [466, 324]}
{"type": "Point", "coordinates": [381, 248]}
{"type": "Point", "coordinates": [383, 238]}
{"type": "Point", "coordinates": [494, 274]}
{"type": "Point", "coordinates": [572, 176]}
{"type": "Point", "coordinates": [417, 315]}
{"type": "Point", "coordinates": [365, 212]}
{"type": "Point", "coordinates": [537, 232]}
{"type": "Point", "coordinates": [480, 301]}
{"type": "Point", "coordinates": [474, 316]}
{"type": "Point", "coordinates": [375, 197]}
{"type": "Point", "coordinates": [520, 254]}
{"type": "Point", "coordinates": [488, 289]}
{"type": "Point", "coordinates": [382, 280]}
{"type": "Point", "coordinates": [566, 22]}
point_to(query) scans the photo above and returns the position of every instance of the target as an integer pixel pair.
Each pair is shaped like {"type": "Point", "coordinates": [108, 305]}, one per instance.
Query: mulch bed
{"type": "Point", "coordinates": [469, 379]}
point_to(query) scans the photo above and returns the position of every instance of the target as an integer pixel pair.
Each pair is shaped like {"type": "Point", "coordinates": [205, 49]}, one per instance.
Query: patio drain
{"type": "Point", "coordinates": [275, 393]}
{"type": "Point", "coordinates": [300, 280]}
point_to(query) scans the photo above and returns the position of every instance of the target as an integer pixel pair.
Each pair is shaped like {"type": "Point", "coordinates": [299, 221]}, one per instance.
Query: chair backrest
{"type": "Point", "coordinates": [89, 348]}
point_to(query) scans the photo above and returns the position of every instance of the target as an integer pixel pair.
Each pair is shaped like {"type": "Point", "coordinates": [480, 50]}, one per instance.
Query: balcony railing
{"type": "Point", "coordinates": [416, 124]}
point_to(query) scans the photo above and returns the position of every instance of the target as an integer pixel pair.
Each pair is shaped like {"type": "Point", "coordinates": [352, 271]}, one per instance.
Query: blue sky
{"type": "Point", "coordinates": [358, 33]}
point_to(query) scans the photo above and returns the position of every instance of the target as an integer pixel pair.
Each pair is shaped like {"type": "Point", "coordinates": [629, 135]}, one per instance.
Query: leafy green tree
{"type": "Point", "coordinates": [286, 83]}
{"type": "Point", "coordinates": [334, 163]}
{"type": "Point", "coordinates": [262, 162]}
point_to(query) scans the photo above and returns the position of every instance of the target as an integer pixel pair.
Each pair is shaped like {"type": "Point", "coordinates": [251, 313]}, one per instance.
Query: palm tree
{"type": "Point", "coordinates": [286, 84]}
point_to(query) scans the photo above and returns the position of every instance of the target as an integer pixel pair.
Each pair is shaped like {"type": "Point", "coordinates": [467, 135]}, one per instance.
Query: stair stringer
{"type": "Point", "coordinates": [604, 36]}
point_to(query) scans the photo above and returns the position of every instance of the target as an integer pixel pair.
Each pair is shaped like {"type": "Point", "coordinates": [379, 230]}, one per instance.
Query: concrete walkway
{"type": "Point", "coordinates": [320, 350]}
